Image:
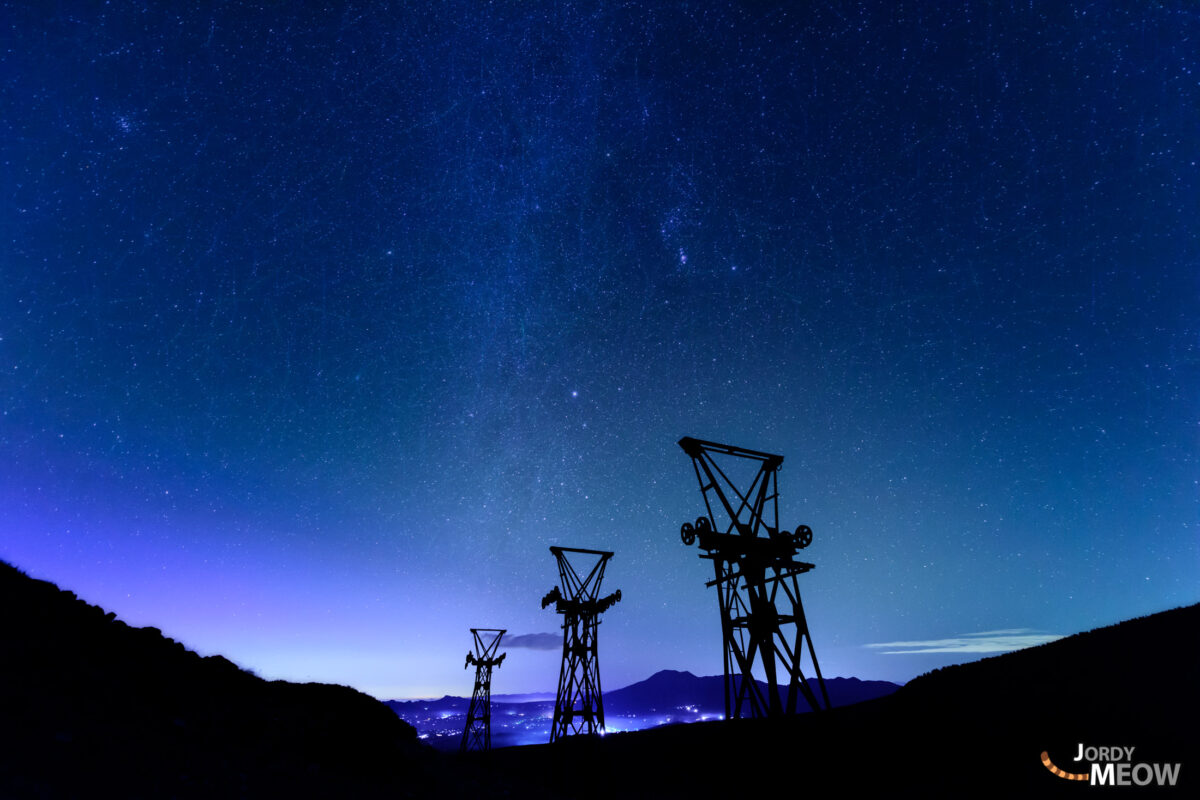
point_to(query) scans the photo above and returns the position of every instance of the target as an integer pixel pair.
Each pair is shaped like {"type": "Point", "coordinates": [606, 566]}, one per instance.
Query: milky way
{"type": "Point", "coordinates": [317, 329]}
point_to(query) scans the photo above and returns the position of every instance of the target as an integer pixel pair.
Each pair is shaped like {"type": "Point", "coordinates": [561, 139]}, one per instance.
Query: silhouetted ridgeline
{"type": "Point", "coordinates": [1127, 670]}
{"type": "Point", "coordinates": [94, 708]}
{"type": "Point", "coordinates": [90, 707]}
{"type": "Point", "coordinates": [668, 690]}
{"type": "Point", "coordinates": [974, 730]}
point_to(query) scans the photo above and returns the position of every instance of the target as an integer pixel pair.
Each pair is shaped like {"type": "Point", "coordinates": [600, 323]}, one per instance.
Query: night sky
{"type": "Point", "coordinates": [318, 327]}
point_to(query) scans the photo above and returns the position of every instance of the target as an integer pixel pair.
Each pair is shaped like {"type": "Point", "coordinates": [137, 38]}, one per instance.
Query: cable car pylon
{"type": "Point", "coordinates": [579, 703]}
{"type": "Point", "coordinates": [477, 735]}
{"type": "Point", "coordinates": [762, 619]}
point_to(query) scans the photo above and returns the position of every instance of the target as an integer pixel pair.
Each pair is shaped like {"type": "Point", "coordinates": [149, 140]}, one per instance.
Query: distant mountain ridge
{"type": "Point", "coordinates": [668, 689]}
{"type": "Point", "coordinates": [666, 697]}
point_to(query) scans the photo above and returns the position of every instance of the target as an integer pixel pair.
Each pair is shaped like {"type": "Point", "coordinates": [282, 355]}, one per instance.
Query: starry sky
{"type": "Point", "coordinates": [319, 326]}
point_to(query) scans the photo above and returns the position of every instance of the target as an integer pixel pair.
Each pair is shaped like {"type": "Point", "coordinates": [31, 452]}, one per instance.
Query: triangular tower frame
{"type": "Point", "coordinates": [762, 619]}
{"type": "Point", "coordinates": [579, 702]}
{"type": "Point", "coordinates": [477, 735]}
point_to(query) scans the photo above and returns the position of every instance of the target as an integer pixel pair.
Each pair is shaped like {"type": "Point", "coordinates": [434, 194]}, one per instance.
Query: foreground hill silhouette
{"type": "Point", "coordinates": [971, 730]}
{"type": "Point", "coordinates": [92, 707]}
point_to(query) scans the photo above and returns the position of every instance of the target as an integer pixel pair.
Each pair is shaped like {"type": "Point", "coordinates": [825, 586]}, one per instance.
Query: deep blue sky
{"type": "Point", "coordinates": [318, 327]}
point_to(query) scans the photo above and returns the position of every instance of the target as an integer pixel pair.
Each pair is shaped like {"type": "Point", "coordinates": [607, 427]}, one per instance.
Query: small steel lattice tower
{"type": "Point", "coordinates": [762, 619]}
{"type": "Point", "coordinates": [579, 705]}
{"type": "Point", "coordinates": [477, 735]}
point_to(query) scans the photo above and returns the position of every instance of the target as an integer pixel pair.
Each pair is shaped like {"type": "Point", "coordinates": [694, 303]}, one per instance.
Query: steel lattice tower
{"type": "Point", "coordinates": [579, 705]}
{"type": "Point", "coordinates": [477, 735]}
{"type": "Point", "coordinates": [756, 571]}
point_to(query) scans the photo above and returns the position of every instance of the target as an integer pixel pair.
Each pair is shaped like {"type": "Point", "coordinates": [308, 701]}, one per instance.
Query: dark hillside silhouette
{"type": "Point", "coordinates": [971, 730]}
{"type": "Point", "coordinates": [93, 707]}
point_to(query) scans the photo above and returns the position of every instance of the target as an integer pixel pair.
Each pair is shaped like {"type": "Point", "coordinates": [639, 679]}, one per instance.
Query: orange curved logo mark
{"type": "Point", "coordinates": [1071, 776]}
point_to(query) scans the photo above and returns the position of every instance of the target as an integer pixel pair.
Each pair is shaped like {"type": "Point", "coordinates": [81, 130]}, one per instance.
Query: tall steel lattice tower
{"type": "Point", "coordinates": [477, 735]}
{"type": "Point", "coordinates": [762, 619]}
{"type": "Point", "coordinates": [579, 705]}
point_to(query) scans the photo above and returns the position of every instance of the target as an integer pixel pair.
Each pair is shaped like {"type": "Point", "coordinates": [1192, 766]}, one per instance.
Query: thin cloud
{"type": "Point", "coordinates": [533, 641]}
{"type": "Point", "coordinates": [1002, 632]}
{"type": "Point", "coordinates": [1001, 641]}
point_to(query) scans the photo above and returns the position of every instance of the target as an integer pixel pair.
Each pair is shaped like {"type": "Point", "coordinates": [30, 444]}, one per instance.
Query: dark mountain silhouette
{"type": "Point", "coordinates": [671, 689]}
{"type": "Point", "coordinates": [665, 690]}
{"type": "Point", "coordinates": [971, 730]}
{"type": "Point", "coordinates": [92, 707]}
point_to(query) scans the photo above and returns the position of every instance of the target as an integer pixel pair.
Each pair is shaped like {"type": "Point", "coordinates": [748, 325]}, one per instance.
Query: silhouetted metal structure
{"type": "Point", "coordinates": [762, 619]}
{"type": "Point", "coordinates": [477, 735]}
{"type": "Point", "coordinates": [579, 705]}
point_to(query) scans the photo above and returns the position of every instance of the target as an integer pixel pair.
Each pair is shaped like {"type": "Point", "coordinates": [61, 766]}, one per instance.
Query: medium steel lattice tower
{"type": "Point", "coordinates": [579, 705]}
{"type": "Point", "coordinates": [477, 735]}
{"type": "Point", "coordinates": [756, 571]}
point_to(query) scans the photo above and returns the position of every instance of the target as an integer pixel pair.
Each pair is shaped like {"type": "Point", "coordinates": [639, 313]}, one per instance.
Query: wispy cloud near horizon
{"type": "Point", "coordinates": [533, 641]}
{"type": "Point", "coordinates": [999, 641]}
